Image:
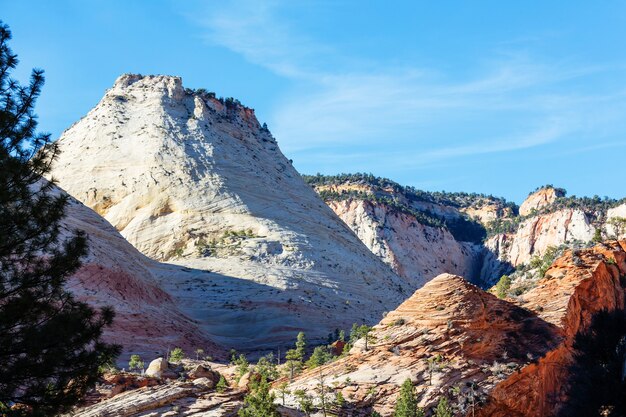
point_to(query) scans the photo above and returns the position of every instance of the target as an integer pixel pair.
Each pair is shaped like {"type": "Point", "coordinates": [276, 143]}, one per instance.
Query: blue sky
{"type": "Point", "coordinates": [487, 96]}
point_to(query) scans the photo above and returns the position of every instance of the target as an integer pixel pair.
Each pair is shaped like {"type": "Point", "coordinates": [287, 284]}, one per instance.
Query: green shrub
{"type": "Point", "coordinates": [177, 355]}
{"type": "Point", "coordinates": [503, 286]}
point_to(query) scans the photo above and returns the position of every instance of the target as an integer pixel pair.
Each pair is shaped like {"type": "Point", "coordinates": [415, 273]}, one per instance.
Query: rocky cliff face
{"type": "Point", "coordinates": [540, 199]}
{"type": "Point", "coordinates": [451, 333]}
{"type": "Point", "coordinates": [198, 182]}
{"type": "Point", "coordinates": [416, 252]}
{"type": "Point", "coordinates": [418, 234]}
{"type": "Point", "coordinates": [578, 285]}
{"type": "Point", "coordinates": [550, 220]}
{"type": "Point", "coordinates": [537, 233]}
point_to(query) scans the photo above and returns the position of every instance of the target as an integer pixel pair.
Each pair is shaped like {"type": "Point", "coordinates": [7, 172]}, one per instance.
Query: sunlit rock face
{"type": "Point", "coordinates": [196, 181]}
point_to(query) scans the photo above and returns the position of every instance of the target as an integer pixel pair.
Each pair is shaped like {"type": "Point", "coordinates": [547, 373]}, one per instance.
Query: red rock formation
{"type": "Point", "coordinates": [577, 286]}
{"type": "Point", "coordinates": [448, 333]}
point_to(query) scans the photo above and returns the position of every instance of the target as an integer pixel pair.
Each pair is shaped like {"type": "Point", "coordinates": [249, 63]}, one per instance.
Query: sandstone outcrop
{"type": "Point", "coordinates": [537, 233]}
{"type": "Point", "coordinates": [198, 182]}
{"type": "Point", "coordinates": [448, 333]}
{"type": "Point", "coordinates": [540, 199]}
{"type": "Point", "coordinates": [168, 399]}
{"type": "Point", "coordinates": [611, 230]}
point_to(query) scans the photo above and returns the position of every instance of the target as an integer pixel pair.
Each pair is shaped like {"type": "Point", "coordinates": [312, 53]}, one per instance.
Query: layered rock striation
{"type": "Point", "coordinates": [447, 334]}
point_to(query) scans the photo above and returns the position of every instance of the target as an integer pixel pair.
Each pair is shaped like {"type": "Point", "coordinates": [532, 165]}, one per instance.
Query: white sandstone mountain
{"type": "Point", "coordinates": [195, 181]}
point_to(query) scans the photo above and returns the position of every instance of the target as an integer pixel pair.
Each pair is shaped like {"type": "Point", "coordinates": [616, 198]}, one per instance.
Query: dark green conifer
{"type": "Point", "coordinates": [50, 344]}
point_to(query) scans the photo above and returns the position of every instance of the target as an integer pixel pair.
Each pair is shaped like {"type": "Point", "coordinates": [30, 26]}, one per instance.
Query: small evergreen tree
{"type": "Point", "coordinates": [406, 406]}
{"type": "Point", "coordinates": [242, 365]}
{"type": "Point", "coordinates": [503, 286]}
{"type": "Point", "coordinates": [597, 236]}
{"type": "Point", "coordinates": [320, 356]}
{"type": "Point", "coordinates": [135, 363]}
{"type": "Point", "coordinates": [259, 402]}
{"type": "Point", "coordinates": [282, 389]}
{"type": "Point", "coordinates": [295, 357]}
{"type": "Point", "coordinates": [51, 350]}
{"type": "Point", "coordinates": [304, 401]}
{"type": "Point", "coordinates": [222, 384]}
{"type": "Point", "coordinates": [300, 346]}
{"type": "Point", "coordinates": [293, 363]}
{"type": "Point", "coordinates": [177, 355]}
{"type": "Point", "coordinates": [266, 367]}
{"type": "Point", "coordinates": [342, 335]}
{"type": "Point", "coordinates": [199, 353]}
{"type": "Point", "coordinates": [365, 333]}
{"type": "Point", "coordinates": [444, 409]}
{"type": "Point", "coordinates": [339, 399]}
{"type": "Point", "coordinates": [322, 391]}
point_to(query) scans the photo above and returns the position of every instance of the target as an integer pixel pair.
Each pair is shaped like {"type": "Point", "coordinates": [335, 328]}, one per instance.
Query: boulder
{"type": "Point", "coordinates": [247, 379]}
{"type": "Point", "coordinates": [200, 371]}
{"type": "Point", "coordinates": [157, 367]}
{"type": "Point", "coordinates": [204, 382]}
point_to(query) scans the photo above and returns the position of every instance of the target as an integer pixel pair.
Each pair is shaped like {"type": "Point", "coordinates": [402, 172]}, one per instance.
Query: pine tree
{"type": "Point", "coordinates": [50, 344]}
{"type": "Point", "coordinates": [503, 286]}
{"type": "Point", "coordinates": [300, 346]}
{"type": "Point", "coordinates": [293, 363]}
{"type": "Point", "coordinates": [222, 384]}
{"type": "Point", "coordinates": [266, 367]}
{"type": "Point", "coordinates": [320, 356]}
{"type": "Point", "coordinates": [259, 402]}
{"type": "Point", "coordinates": [407, 402]}
{"type": "Point", "coordinates": [365, 332]}
{"type": "Point", "coordinates": [443, 408]}
{"type": "Point", "coordinates": [304, 401]}
{"type": "Point", "coordinates": [177, 355]}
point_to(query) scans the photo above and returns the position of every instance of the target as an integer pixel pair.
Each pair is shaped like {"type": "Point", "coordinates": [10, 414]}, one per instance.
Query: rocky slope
{"type": "Point", "coordinates": [196, 181]}
{"type": "Point", "coordinates": [448, 333]}
{"type": "Point", "coordinates": [114, 273]}
{"type": "Point", "coordinates": [410, 229]}
{"type": "Point", "coordinates": [539, 199]}
{"type": "Point", "coordinates": [416, 252]}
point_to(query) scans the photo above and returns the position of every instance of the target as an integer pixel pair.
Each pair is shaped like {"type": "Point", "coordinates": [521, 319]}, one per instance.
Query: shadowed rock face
{"type": "Point", "coordinates": [465, 333]}
{"type": "Point", "coordinates": [114, 273]}
{"type": "Point", "coordinates": [577, 286]}
{"type": "Point", "coordinates": [195, 181]}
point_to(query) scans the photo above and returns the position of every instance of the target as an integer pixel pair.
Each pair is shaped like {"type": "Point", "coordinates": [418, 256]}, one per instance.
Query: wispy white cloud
{"type": "Point", "coordinates": [250, 28]}
{"type": "Point", "coordinates": [337, 104]}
